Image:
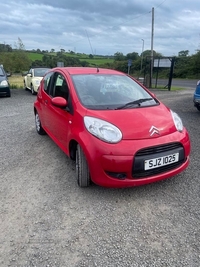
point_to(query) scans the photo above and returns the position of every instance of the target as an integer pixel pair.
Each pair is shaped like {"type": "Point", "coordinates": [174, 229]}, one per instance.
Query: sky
{"type": "Point", "coordinates": [102, 27]}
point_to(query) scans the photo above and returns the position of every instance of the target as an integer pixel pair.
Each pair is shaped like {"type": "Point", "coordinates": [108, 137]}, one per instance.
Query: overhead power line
{"type": "Point", "coordinates": [141, 15]}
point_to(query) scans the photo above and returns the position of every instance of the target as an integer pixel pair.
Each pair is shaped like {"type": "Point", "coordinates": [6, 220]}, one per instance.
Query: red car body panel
{"type": "Point", "coordinates": [135, 123]}
{"type": "Point", "coordinates": [104, 158]}
{"type": "Point", "coordinates": [111, 158]}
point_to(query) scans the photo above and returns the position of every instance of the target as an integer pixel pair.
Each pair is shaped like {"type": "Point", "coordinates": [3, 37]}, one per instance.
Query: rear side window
{"type": "Point", "coordinates": [60, 86]}
{"type": "Point", "coordinates": [47, 81]}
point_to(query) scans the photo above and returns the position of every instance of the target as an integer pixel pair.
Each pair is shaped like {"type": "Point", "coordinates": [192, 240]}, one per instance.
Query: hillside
{"type": "Point", "coordinates": [92, 60]}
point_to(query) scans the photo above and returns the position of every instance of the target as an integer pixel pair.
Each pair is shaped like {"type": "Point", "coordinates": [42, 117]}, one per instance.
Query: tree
{"type": "Point", "coordinates": [182, 67]}
{"type": "Point", "coordinates": [132, 56]}
{"type": "Point", "coordinates": [37, 63]}
{"type": "Point", "coordinates": [195, 64]}
{"type": "Point", "coordinates": [147, 53]}
{"type": "Point", "coordinates": [49, 61]}
{"type": "Point", "coordinates": [183, 53]}
{"type": "Point", "coordinates": [6, 60]}
{"type": "Point", "coordinates": [17, 60]}
{"type": "Point", "coordinates": [19, 45]}
{"type": "Point", "coordinates": [84, 63]}
{"type": "Point", "coordinates": [20, 58]}
{"type": "Point", "coordinates": [118, 56]}
{"type": "Point", "coordinates": [5, 48]}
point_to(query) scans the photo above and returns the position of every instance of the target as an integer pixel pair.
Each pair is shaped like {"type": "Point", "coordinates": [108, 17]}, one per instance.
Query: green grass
{"type": "Point", "coordinates": [98, 61]}
{"type": "Point", "coordinates": [173, 88]}
{"type": "Point", "coordinates": [16, 82]}
{"type": "Point", "coordinates": [34, 56]}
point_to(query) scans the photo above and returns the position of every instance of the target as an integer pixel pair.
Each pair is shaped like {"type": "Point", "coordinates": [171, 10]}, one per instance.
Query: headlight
{"type": "Point", "coordinates": [103, 129]}
{"type": "Point", "coordinates": [4, 83]}
{"type": "Point", "coordinates": [177, 121]}
{"type": "Point", "coordinates": [37, 82]}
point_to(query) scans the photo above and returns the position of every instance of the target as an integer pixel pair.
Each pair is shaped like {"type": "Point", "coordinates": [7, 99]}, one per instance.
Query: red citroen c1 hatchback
{"type": "Point", "coordinates": [116, 130]}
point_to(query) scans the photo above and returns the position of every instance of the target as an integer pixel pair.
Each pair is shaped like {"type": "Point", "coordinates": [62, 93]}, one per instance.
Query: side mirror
{"type": "Point", "coordinates": [59, 102]}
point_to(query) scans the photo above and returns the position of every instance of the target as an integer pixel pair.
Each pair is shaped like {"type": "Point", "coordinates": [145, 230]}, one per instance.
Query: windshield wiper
{"type": "Point", "coordinates": [136, 102]}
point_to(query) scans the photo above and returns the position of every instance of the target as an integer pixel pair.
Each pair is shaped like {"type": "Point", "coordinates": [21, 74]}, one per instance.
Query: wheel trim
{"type": "Point", "coordinates": [37, 122]}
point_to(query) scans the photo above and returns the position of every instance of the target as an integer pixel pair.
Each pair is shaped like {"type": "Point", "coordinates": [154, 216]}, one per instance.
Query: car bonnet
{"type": "Point", "coordinates": [139, 123]}
{"type": "Point", "coordinates": [3, 78]}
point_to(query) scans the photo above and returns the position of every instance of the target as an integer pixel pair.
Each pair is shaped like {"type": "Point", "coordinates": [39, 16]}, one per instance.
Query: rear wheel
{"type": "Point", "coordinates": [38, 125]}
{"type": "Point", "coordinates": [82, 170]}
{"type": "Point", "coordinates": [198, 107]}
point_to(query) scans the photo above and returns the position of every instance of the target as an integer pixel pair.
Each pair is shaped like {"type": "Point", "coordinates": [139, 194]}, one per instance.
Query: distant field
{"type": "Point", "coordinates": [16, 81]}
{"type": "Point", "coordinates": [97, 60]}
{"type": "Point", "coordinates": [34, 56]}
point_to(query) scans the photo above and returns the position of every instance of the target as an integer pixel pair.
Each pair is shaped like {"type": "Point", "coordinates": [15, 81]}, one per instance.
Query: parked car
{"type": "Point", "coordinates": [116, 130]}
{"type": "Point", "coordinates": [196, 97]}
{"type": "Point", "coordinates": [32, 79]}
{"type": "Point", "coordinates": [4, 83]}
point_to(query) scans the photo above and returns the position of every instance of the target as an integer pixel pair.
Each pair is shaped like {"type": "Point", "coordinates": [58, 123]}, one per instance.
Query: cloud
{"type": "Point", "coordinates": [106, 26]}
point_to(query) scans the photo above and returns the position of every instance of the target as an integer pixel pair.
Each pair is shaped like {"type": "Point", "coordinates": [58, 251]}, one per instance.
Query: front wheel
{"type": "Point", "coordinates": [32, 90]}
{"type": "Point", "coordinates": [38, 125]}
{"type": "Point", "coordinates": [25, 88]}
{"type": "Point", "coordinates": [198, 107]}
{"type": "Point", "coordinates": [82, 170]}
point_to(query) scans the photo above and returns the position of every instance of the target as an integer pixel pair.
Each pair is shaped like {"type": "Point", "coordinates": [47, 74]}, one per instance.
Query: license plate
{"type": "Point", "coordinates": [161, 161]}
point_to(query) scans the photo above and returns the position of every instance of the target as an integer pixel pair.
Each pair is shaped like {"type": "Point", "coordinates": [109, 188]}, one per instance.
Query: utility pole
{"type": "Point", "coordinates": [142, 56]}
{"type": "Point", "coordinates": [152, 35]}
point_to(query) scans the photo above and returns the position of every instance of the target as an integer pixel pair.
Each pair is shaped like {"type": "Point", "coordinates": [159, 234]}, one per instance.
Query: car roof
{"type": "Point", "coordinates": [87, 70]}
{"type": "Point", "coordinates": [40, 68]}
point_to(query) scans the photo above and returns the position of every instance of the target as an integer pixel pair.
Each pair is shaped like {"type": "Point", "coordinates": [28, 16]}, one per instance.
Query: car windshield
{"type": "Point", "coordinates": [40, 72]}
{"type": "Point", "coordinates": [105, 91]}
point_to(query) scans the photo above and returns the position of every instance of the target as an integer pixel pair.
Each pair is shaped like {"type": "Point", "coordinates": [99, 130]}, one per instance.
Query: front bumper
{"type": "Point", "coordinates": [4, 90]}
{"type": "Point", "coordinates": [114, 165]}
{"type": "Point", "coordinates": [196, 100]}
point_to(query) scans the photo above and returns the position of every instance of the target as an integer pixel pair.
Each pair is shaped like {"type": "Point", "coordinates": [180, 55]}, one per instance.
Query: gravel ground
{"type": "Point", "coordinates": [47, 220]}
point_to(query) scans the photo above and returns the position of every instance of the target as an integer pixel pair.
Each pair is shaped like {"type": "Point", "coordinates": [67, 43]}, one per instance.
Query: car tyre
{"type": "Point", "coordinates": [82, 170]}
{"type": "Point", "coordinates": [198, 107]}
{"type": "Point", "coordinates": [25, 88]}
{"type": "Point", "coordinates": [38, 125]}
{"type": "Point", "coordinates": [32, 90]}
